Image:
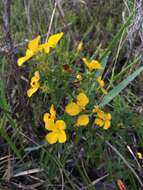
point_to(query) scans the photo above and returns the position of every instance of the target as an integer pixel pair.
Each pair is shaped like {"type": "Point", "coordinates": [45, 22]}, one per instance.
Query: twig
{"type": "Point", "coordinates": [4, 49]}
{"type": "Point", "coordinates": [132, 153]}
{"type": "Point", "coordinates": [27, 172]}
{"type": "Point", "coordinates": [125, 162]}
{"type": "Point", "coordinates": [27, 11]}
{"type": "Point", "coordinates": [96, 181]}
{"type": "Point", "coordinates": [62, 178]}
{"type": "Point", "coordinates": [21, 186]}
{"type": "Point", "coordinates": [61, 13]}
{"type": "Point", "coordinates": [51, 20]}
{"type": "Point", "coordinates": [14, 72]}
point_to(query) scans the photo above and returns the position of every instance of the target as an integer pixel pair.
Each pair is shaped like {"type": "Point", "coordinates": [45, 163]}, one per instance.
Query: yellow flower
{"type": "Point", "coordinates": [82, 120]}
{"type": "Point", "coordinates": [103, 119]}
{"type": "Point", "coordinates": [35, 84]}
{"type": "Point", "coordinates": [96, 109]}
{"type": "Point", "coordinates": [79, 77]}
{"type": "Point", "coordinates": [74, 108]}
{"type": "Point", "coordinates": [54, 39]}
{"type": "Point", "coordinates": [80, 46]}
{"type": "Point", "coordinates": [30, 52]}
{"type": "Point", "coordinates": [56, 128]}
{"type": "Point", "coordinates": [34, 47]}
{"type": "Point", "coordinates": [102, 84]}
{"type": "Point", "coordinates": [93, 64]}
{"type": "Point", "coordinates": [51, 43]}
{"type": "Point", "coordinates": [120, 125]}
{"type": "Point", "coordinates": [51, 115]}
{"type": "Point", "coordinates": [140, 156]}
{"type": "Point", "coordinates": [57, 131]}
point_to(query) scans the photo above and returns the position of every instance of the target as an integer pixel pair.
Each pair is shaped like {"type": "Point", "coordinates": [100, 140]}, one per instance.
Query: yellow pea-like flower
{"type": "Point", "coordinates": [79, 77]}
{"type": "Point", "coordinates": [51, 43]}
{"type": "Point", "coordinates": [96, 109]}
{"type": "Point", "coordinates": [54, 39]}
{"type": "Point", "coordinates": [103, 119]}
{"type": "Point", "coordinates": [56, 128]}
{"type": "Point", "coordinates": [139, 155]}
{"type": "Point", "coordinates": [74, 108]}
{"type": "Point", "coordinates": [92, 65]}
{"type": "Point", "coordinates": [32, 90]}
{"type": "Point", "coordinates": [34, 47]}
{"type": "Point", "coordinates": [52, 112]}
{"type": "Point", "coordinates": [80, 46]}
{"type": "Point", "coordinates": [35, 84]}
{"type": "Point", "coordinates": [102, 84]}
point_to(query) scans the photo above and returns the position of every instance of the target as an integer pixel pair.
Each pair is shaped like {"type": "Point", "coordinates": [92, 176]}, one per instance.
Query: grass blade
{"type": "Point", "coordinates": [116, 90]}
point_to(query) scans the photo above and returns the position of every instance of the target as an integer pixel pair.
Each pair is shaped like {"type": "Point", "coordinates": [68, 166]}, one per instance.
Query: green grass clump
{"type": "Point", "coordinates": [90, 157]}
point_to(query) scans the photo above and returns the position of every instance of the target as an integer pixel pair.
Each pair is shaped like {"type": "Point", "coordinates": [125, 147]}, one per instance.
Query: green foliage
{"type": "Point", "coordinates": [86, 156]}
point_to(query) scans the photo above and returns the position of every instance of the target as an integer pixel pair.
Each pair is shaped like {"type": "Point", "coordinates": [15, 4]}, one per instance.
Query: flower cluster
{"type": "Point", "coordinates": [34, 47]}
{"type": "Point", "coordinates": [79, 107]}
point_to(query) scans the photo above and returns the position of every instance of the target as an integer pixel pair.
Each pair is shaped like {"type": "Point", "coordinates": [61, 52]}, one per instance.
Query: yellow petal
{"type": "Point", "coordinates": [52, 137]}
{"type": "Point", "coordinates": [62, 137]}
{"type": "Point", "coordinates": [52, 112]}
{"type": "Point", "coordinates": [60, 124]}
{"type": "Point", "coordinates": [92, 64]}
{"type": "Point", "coordinates": [37, 75]}
{"type": "Point", "coordinates": [35, 79]}
{"type": "Point", "coordinates": [107, 124]}
{"type": "Point", "coordinates": [95, 65]}
{"type": "Point", "coordinates": [82, 99]}
{"type": "Point", "coordinates": [50, 125]}
{"type": "Point", "coordinates": [32, 90]}
{"type": "Point", "coordinates": [80, 46]}
{"type": "Point", "coordinates": [34, 44]}
{"type": "Point", "coordinates": [139, 154]}
{"type": "Point", "coordinates": [86, 62]}
{"type": "Point", "coordinates": [54, 39]}
{"type": "Point", "coordinates": [46, 117]}
{"type": "Point", "coordinates": [108, 116]}
{"type": "Point", "coordinates": [33, 82]}
{"type": "Point", "coordinates": [45, 47]}
{"type": "Point", "coordinates": [96, 109]}
{"type": "Point", "coordinates": [100, 81]}
{"type": "Point", "coordinates": [79, 77]}
{"type": "Point", "coordinates": [99, 122]}
{"type": "Point", "coordinates": [22, 60]}
{"type": "Point", "coordinates": [82, 120]}
{"type": "Point", "coordinates": [72, 109]}
{"type": "Point", "coordinates": [101, 114]}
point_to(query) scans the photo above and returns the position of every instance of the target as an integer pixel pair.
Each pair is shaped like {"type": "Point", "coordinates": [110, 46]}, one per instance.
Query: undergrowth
{"type": "Point", "coordinates": [80, 78]}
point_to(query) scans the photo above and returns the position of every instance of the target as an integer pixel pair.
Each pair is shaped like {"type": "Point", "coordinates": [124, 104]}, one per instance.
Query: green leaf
{"type": "Point", "coordinates": [116, 90]}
